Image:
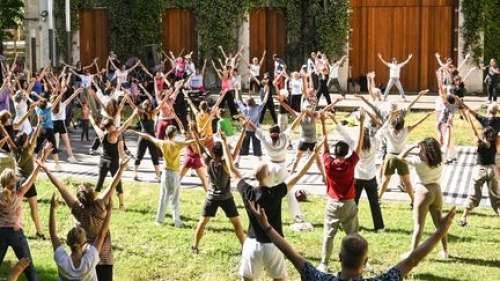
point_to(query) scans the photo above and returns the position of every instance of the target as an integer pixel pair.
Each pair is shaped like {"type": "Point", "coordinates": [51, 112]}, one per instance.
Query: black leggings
{"type": "Point", "coordinates": [492, 91]}
{"type": "Point", "coordinates": [47, 134]}
{"type": "Point", "coordinates": [104, 272]}
{"type": "Point", "coordinates": [229, 99]}
{"type": "Point", "coordinates": [269, 105]}
{"type": "Point", "coordinates": [370, 186]}
{"type": "Point", "coordinates": [144, 143]}
{"type": "Point", "coordinates": [105, 166]}
{"type": "Point", "coordinates": [295, 102]}
{"type": "Point", "coordinates": [323, 91]}
{"type": "Point", "coordinates": [85, 129]}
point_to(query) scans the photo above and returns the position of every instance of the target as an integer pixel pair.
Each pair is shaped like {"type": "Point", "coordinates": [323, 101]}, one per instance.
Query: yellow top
{"type": "Point", "coordinates": [171, 154]}
{"type": "Point", "coordinates": [203, 120]}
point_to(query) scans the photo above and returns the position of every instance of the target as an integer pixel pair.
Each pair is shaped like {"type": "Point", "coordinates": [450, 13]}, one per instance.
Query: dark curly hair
{"type": "Point", "coordinates": [430, 152]}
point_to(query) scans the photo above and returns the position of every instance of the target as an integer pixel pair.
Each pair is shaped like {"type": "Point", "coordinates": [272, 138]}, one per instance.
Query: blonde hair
{"type": "Point", "coordinates": [7, 176]}
{"type": "Point", "coordinates": [76, 238]}
{"type": "Point", "coordinates": [260, 171]}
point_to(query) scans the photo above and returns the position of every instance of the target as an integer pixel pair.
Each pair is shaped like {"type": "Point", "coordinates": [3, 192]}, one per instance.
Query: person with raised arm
{"type": "Point", "coordinates": [428, 196]}
{"type": "Point", "coordinates": [122, 72]}
{"type": "Point", "coordinates": [89, 209]}
{"type": "Point", "coordinates": [110, 136]}
{"type": "Point", "coordinates": [81, 263]}
{"type": "Point", "coordinates": [374, 92]}
{"type": "Point", "coordinates": [12, 235]}
{"type": "Point", "coordinates": [446, 106]}
{"type": "Point", "coordinates": [491, 80]}
{"type": "Point", "coordinates": [276, 148]}
{"type": "Point", "coordinates": [484, 172]}
{"type": "Point", "coordinates": [197, 91]}
{"type": "Point", "coordinates": [44, 113]}
{"type": "Point", "coordinates": [394, 133]}
{"type": "Point", "coordinates": [169, 183]}
{"type": "Point", "coordinates": [353, 254]}
{"type": "Point", "coordinates": [334, 75]}
{"type": "Point", "coordinates": [254, 72]}
{"type": "Point", "coordinates": [394, 75]}
{"type": "Point", "coordinates": [227, 89]}
{"type": "Point", "coordinates": [341, 209]}
{"type": "Point", "coordinates": [258, 252]}
{"type": "Point", "coordinates": [253, 111]}
{"type": "Point", "coordinates": [219, 193]}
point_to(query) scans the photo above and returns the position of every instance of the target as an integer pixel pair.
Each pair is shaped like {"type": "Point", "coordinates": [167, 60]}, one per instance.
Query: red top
{"type": "Point", "coordinates": [340, 176]}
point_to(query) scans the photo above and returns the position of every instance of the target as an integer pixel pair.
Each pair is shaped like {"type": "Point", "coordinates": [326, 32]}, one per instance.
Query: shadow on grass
{"type": "Point", "coordinates": [43, 273]}
{"type": "Point", "coordinates": [476, 261]}
{"type": "Point", "coordinates": [432, 277]}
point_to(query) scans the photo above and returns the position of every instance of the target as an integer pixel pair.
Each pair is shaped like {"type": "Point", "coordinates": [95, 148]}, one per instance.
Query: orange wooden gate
{"type": "Point", "coordinates": [267, 32]}
{"type": "Point", "coordinates": [179, 31]}
{"type": "Point", "coordinates": [396, 28]}
{"type": "Point", "coordinates": [93, 35]}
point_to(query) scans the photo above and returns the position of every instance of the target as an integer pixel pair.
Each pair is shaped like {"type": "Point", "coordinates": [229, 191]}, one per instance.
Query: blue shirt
{"type": "Point", "coordinates": [46, 117]}
{"type": "Point", "coordinates": [312, 274]}
{"type": "Point", "coordinates": [252, 112]}
{"type": "Point", "coordinates": [38, 87]}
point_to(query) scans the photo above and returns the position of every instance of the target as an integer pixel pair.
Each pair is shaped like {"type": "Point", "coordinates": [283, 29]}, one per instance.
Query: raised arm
{"type": "Point", "coordinates": [67, 196]}
{"type": "Point", "coordinates": [294, 179]}
{"type": "Point", "coordinates": [97, 129]}
{"type": "Point", "coordinates": [239, 143]}
{"type": "Point", "coordinates": [107, 194]}
{"type": "Point", "coordinates": [229, 160]}
{"type": "Point", "coordinates": [462, 64]}
{"type": "Point", "coordinates": [326, 149]}
{"type": "Point", "coordinates": [371, 106]}
{"type": "Point", "coordinates": [223, 53]}
{"type": "Point", "coordinates": [261, 62]}
{"type": "Point", "coordinates": [382, 59]}
{"type": "Point", "coordinates": [361, 133]}
{"type": "Point", "coordinates": [440, 62]}
{"type": "Point", "coordinates": [407, 151]}
{"type": "Point", "coordinates": [52, 223]}
{"type": "Point", "coordinates": [406, 265]}
{"type": "Point", "coordinates": [473, 127]}
{"type": "Point", "coordinates": [420, 94]}
{"type": "Point", "coordinates": [73, 96]}
{"type": "Point", "coordinates": [468, 74]}
{"type": "Point", "coordinates": [284, 104]}
{"type": "Point", "coordinates": [127, 123]}
{"type": "Point", "coordinates": [412, 127]}
{"type": "Point", "coordinates": [103, 232]}
{"type": "Point", "coordinates": [406, 61]}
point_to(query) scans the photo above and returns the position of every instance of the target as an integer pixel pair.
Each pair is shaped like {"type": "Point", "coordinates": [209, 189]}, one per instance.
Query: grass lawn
{"type": "Point", "coordinates": [144, 251]}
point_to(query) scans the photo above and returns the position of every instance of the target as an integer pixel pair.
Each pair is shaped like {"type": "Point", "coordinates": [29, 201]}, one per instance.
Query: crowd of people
{"type": "Point", "coordinates": [178, 117]}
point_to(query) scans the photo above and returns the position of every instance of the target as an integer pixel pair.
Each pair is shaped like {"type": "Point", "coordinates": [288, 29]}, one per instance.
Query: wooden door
{"type": "Point", "coordinates": [397, 28]}
{"type": "Point", "coordinates": [93, 35]}
{"type": "Point", "coordinates": [179, 31]}
{"type": "Point", "coordinates": [267, 32]}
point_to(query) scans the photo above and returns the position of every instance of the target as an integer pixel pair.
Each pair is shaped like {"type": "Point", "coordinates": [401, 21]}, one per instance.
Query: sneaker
{"type": "Point", "coordinates": [298, 219]}
{"type": "Point", "coordinates": [195, 250]}
{"type": "Point", "coordinates": [462, 223]}
{"type": "Point", "coordinates": [93, 152]}
{"type": "Point", "coordinates": [157, 223]}
{"type": "Point", "coordinates": [136, 178]}
{"type": "Point", "coordinates": [179, 224]}
{"type": "Point", "coordinates": [405, 99]}
{"type": "Point", "coordinates": [322, 268]}
{"type": "Point", "coordinates": [380, 230]}
{"type": "Point", "coordinates": [72, 160]}
{"type": "Point", "coordinates": [40, 236]}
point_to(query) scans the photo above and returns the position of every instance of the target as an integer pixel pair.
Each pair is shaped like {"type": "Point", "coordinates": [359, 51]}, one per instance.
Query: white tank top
{"type": "Point", "coordinates": [296, 86]}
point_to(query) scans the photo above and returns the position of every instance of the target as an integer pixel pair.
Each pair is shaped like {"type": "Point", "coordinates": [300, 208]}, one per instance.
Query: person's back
{"type": "Point", "coordinates": [220, 181]}
{"type": "Point", "coordinates": [85, 271]}
{"type": "Point", "coordinates": [340, 176]}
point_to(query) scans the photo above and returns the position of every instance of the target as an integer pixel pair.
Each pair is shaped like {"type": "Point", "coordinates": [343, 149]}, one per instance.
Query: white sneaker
{"type": "Point", "coordinates": [179, 224]}
{"type": "Point", "coordinates": [322, 267]}
{"type": "Point", "coordinates": [72, 159]}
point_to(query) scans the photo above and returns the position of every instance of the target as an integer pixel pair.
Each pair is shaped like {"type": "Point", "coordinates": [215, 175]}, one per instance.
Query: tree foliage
{"type": "Point", "coordinates": [11, 16]}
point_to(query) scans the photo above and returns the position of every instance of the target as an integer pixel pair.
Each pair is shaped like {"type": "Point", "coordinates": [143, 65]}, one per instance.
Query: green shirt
{"type": "Point", "coordinates": [226, 125]}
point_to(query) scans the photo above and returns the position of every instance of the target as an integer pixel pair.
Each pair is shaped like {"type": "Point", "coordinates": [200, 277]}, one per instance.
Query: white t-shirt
{"type": "Point", "coordinates": [278, 152]}
{"type": "Point", "coordinates": [310, 66]}
{"type": "Point", "coordinates": [86, 80]}
{"type": "Point", "coordinates": [255, 70]}
{"type": "Point", "coordinates": [296, 86]}
{"type": "Point", "coordinates": [334, 71]}
{"type": "Point", "coordinates": [236, 82]}
{"type": "Point", "coordinates": [394, 70]}
{"type": "Point", "coordinates": [121, 76]}
{"type": "Point", "coordinates": [425, 173]}
{"type": "Point", "coordinates": [86, 270]}
{"type": "Point", "coordinates": [21, 109]}
{"type": "Point", "coordinates": [61, 115]}
{"type": "Point", "coordinates": [395, 141]}
{"type": "Point", "coordinates": [190, 68]}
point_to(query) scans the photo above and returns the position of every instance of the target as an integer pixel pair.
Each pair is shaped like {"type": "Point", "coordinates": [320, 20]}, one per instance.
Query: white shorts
{"type": "Point", "coordinates": [257, 257]}
{"type": "Point", "coordinates": [279, 172]}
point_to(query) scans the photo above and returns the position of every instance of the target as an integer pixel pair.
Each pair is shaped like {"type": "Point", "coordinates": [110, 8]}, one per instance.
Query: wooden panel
{"type": "Point", "coordinates": [179, 31]}
{"type": "Point", "coordinates": [93, 35]}
{"type": "Point", "coordinates": [397, 29]}
{"type": "Point", "coordinates": [267, 32]}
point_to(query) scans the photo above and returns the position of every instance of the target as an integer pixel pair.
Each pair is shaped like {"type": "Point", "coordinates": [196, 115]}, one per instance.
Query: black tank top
{"type": "Point", "coordinates": [147, 124]}
{"type": "Point", "coordinates": [109, 150]}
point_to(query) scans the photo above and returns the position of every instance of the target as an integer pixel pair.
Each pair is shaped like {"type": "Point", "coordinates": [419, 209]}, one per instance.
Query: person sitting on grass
{"type": "Point", "coordinates": [89, 210]}
{"type": "Point", "coordinates": [84, 256]}
{"type": "Point", "coordinates": [219, 192]}
{"type": "Point", "coordinates": [341, 209]}
{"type": "Point", "coordinates": [258, 252]}
{"type": "Point", "coordinates": [353, 255]}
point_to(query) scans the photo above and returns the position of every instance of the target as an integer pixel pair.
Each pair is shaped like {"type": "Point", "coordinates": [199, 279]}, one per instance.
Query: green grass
{"type": "Point", "coordinates": [144, 251]}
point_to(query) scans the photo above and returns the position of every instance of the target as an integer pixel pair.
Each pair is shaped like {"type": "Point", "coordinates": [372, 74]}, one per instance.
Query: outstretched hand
{"type": "Point", "coordinates": [259, 213]}
{"type": "Point", "coordinates": [53, 202]}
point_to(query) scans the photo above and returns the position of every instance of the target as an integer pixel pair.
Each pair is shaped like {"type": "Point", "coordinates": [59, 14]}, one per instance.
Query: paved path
{"type": "Point", "coordinates": [456, 180]}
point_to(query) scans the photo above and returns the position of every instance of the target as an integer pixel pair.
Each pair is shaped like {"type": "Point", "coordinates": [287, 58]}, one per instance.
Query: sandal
{"type": "Point", "coordinates": [462, 223]}
{"type": "Point", "coordinates": [40, 236]}
{"type": "Point", "coordinates": [195, 250]}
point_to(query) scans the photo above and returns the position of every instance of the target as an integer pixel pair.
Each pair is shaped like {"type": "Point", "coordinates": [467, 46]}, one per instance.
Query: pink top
{"type": "Point", "coordinates": [11, 211]}
{"type": "Point", "coordinates": [166, 111]}
{"type": "Point", "coordinates": [85, 113]}
{"type": "Point", "coordinates": [159, 84]}
{"type": "Point", "coordinates": [180, 67]}
{"type": "Point", "coordinates": [226, 85]}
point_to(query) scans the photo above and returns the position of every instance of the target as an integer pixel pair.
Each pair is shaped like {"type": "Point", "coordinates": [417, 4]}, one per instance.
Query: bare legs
{"type": "Point", "coordinates": [319, 164]}
{"type": "Point", "coordinates": [404, 179]}
{"type": "Point", "coordinates": [33, 202]}
{"type": "Point", "coordinates": [200, 172]}
{"type": "Point", "coordinates": [200, 229]}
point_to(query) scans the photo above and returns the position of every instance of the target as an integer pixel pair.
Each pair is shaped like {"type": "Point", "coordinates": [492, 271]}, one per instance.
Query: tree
{"type": "Point", "coordinates": [11, 15]}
